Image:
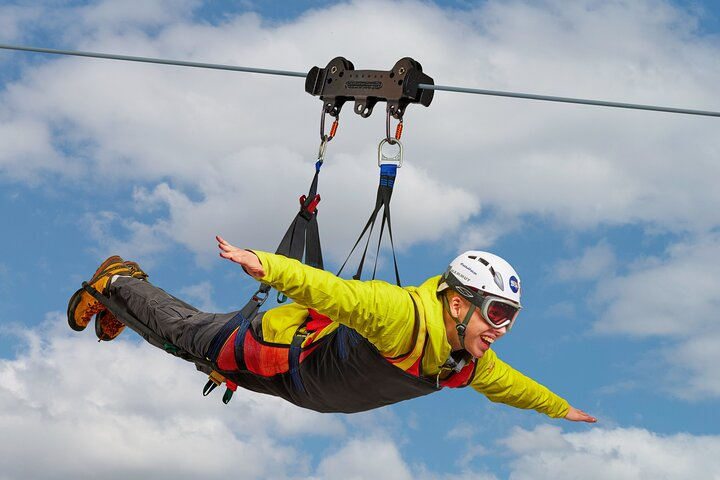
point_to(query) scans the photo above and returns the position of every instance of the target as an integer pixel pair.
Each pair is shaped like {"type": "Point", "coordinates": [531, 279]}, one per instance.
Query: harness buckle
{"type": "Point", "coordinates": [308, 207]}
{"type": "Point", "coordinates": [214, 381]}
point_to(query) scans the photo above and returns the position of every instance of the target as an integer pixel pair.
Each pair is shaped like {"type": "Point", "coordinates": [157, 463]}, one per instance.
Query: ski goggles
{"type": "Point", "coordinates": [496, 311]}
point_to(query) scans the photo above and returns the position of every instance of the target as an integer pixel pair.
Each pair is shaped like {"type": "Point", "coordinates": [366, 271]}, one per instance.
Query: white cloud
{"type": "Point", "coordinates": [201, 296]}
{"type": "Point", "coordinates": [362, 459]}
{"type": "Point", "coordinates": [596, 261]}
{"type": "Point", "coordinates": [462, 431]}
{"type": "Point", "coordinates": [119, 407]}
{"type": "Point", "coordinates": [673, 296]}
{"type": "Point", "coordinates": [13, 18]}
{"type": "Point", "coordinates": [692, 367]}
{"type": "Point", "coordinates": [232, 144]}
{"type": "Point", "coordinates": [620, 453]}
{"type": "Point", "coordinates": [109, 14]}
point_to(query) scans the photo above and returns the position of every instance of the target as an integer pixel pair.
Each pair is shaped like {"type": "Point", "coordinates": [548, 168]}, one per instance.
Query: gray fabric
{"type": "Point", "coordinates": [172, 319]}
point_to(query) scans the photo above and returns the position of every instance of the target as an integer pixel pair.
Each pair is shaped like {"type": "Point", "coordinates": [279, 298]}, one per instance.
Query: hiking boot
{"type": "Point", "coordinates": [82, 306]}
{"type": "Point", "coordinates": [107, 327]}
{"type": "Point", "coordinates": [136, 271]}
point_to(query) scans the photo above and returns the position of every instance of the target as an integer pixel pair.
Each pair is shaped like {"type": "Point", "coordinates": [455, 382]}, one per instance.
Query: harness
{"type": "Point", "coordinates": [341, 372]}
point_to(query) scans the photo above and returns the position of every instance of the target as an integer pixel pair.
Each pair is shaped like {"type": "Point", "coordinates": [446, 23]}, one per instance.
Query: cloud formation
{"type": "Point", "coordinates": [620, 453]}
{"type": "Point", "coordinates": [203, 143]}
{"type": "Point", "coordinates": [670, 296]}
{"type": "Point", "coordinates": [85, 407]}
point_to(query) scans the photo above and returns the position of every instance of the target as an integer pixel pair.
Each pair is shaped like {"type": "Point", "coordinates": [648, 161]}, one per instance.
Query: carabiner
{"type": "Point", "coordinates": [323, 148]}
{"type": "Point", "coordinates": [333, 128]}
{"type": "Point", "coordinates": [398, 129]}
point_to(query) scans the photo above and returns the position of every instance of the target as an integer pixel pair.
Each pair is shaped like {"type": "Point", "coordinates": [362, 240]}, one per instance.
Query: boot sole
{"type": "Point", "coordinates": [72, 306]}
{"type": "Point", "coordinates": [101, 335]}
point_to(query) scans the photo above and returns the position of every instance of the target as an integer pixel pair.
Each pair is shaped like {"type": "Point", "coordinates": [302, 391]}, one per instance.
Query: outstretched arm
{"type": "Point", "coordinates": [576, 415]}
{"type": "Point", "coordinates": [499, 382]}
{"type": "Point", "coordinates": [247, 259]}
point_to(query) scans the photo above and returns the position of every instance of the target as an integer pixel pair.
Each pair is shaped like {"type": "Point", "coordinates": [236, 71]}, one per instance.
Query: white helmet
{"type": "Point", "coordinates": [488, 282]}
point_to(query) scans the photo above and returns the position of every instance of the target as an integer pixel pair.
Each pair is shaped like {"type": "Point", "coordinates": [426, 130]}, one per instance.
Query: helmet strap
{"type": "Point", "coordinates": [461, 325]}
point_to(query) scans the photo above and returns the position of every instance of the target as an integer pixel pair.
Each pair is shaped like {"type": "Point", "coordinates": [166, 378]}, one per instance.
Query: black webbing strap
{"type": "Point", "coordinates": [388, 172]}
{"type": "Point", "coordinates": [294, 355]}
{"type": "Point", "coordinates": [303, 237]}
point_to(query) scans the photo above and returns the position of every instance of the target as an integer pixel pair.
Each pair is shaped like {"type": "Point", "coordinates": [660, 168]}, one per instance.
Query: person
{"type": "Point", "coordinates": [341, 345]}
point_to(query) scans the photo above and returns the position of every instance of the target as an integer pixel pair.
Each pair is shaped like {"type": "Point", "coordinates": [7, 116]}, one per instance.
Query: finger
{"type": "Point", "coordinates": [226, 247]}
{"type": "Point", "coordinates": [222, 241]}
{"type": "Point", "coordinates": [584, 417]}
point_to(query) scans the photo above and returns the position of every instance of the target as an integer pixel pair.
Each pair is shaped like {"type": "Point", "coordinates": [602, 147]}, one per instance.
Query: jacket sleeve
{"type": "Point", "coordinates": [501, 383]}
{"type": "Point", "coordinates": [380, 312]}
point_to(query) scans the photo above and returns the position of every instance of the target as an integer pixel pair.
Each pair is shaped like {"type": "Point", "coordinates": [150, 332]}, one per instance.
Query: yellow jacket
{"type": "Point", "coordinates": [384, 314]}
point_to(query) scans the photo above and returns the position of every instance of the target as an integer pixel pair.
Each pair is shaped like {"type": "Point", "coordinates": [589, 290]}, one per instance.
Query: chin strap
{"type": "Point", "coordinates": [461, 326]}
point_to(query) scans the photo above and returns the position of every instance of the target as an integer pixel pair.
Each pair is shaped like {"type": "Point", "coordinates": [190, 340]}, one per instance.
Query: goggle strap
{"type": "Point", "coordinates": [466, 320]}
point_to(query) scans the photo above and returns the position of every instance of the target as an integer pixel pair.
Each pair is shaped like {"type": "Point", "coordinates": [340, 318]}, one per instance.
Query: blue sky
{"type": "Point", "coordinates": [608, 215]}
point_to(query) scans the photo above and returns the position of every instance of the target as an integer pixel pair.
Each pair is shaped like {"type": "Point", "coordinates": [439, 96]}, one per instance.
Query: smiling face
{"type": "Point", "coordinates": [479, 334]}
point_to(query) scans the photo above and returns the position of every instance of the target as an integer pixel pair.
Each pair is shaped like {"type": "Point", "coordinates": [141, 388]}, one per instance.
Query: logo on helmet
{"type": "Point", "coordinates": [460, 275]}
{"type": "Point", "coordinates": [464, 291]}
{"type": "Point", "coordinates": [471, 270]}
{"type": "Point", "coordinates": [514, 284]}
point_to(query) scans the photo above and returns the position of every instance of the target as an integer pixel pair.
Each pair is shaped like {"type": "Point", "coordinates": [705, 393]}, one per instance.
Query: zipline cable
{"type": "Point", "coordinates": [265, 71]}
{"type": "Point", "coordinates": [582, 101]}
{"type": "Point", "coordinates": [160, 61]}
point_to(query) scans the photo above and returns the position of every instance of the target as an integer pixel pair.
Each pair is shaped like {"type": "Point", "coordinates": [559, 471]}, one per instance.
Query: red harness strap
{"type": "Point", "coordinates": [266, 359]}
{"type": "Point", "coordinates": [226, 358]}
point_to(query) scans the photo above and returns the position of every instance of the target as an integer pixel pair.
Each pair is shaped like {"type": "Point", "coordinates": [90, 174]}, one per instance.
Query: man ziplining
{"type": "Point", "coordinates": [343, 345]}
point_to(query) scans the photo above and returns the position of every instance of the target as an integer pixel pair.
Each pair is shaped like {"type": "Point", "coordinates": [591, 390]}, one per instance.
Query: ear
{"type": "Point", "coordinates": [454, 302]}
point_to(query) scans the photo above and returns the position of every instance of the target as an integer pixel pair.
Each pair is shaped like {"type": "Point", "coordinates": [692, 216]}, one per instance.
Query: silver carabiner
{"type": "Point", "coordinates": [397, 159]}
{"type": "Point", "coordinates": [398, 130]}
{"type": "Point", "coordinates": [323, 148]}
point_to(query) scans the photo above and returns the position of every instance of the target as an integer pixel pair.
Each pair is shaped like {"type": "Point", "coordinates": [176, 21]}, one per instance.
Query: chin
{"type": "Point", "coordinates": [478, 353]}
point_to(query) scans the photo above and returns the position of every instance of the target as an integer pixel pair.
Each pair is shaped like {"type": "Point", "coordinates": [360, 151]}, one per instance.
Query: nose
{"type": "Point", "coordinates": [500, 331]}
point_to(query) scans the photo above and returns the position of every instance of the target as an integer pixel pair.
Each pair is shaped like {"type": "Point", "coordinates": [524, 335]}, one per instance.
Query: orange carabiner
{"type": "Point", "coordinates": [398, 130]}
{"type": "Point", "coordinates": [333, 128]}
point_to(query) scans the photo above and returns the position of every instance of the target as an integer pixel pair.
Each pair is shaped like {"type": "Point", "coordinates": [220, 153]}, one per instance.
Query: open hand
{"type": "Point", "coordinates": [247, 259]}
{"type": "Point", "coordinates": [576, 415]}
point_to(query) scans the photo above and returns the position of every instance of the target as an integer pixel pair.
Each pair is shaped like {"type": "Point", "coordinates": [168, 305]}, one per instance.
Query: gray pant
{"type": "Point", "coordinates": [170, 318]}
